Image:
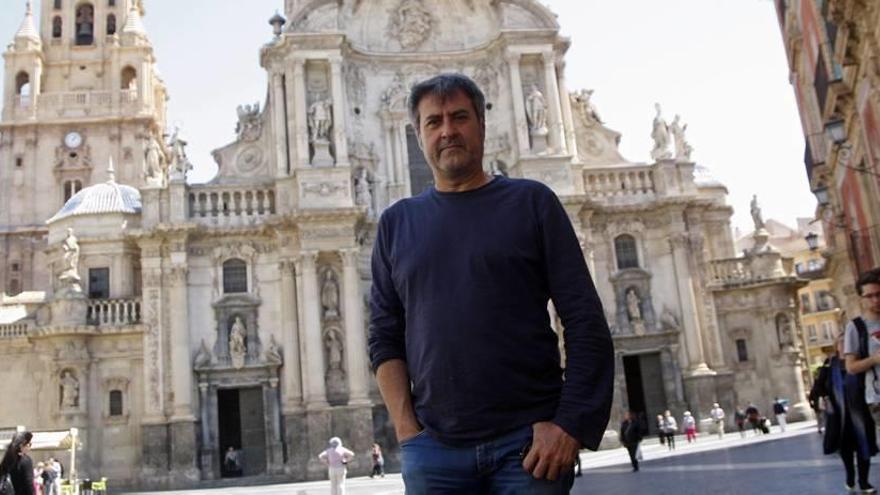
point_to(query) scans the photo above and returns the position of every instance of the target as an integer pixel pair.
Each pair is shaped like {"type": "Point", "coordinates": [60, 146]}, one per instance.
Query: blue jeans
{"type": "Point", "coordinates": [495, 467]}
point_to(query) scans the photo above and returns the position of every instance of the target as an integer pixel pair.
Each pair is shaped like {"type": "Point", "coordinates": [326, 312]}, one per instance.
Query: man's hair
{"type": "Point", "coordinates": [444, 86]}
{"type": "Point", "coordinates": [869, 277]}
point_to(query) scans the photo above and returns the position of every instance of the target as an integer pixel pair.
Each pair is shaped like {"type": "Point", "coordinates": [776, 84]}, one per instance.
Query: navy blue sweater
{"type": "Point", "coordinates": [461, 283]}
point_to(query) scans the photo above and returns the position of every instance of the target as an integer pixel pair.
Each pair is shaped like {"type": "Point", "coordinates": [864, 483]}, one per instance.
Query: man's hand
{"type": "Point", "coordinates": [552, 451]}
{"type": "Point", "coordinates": [406, 431]}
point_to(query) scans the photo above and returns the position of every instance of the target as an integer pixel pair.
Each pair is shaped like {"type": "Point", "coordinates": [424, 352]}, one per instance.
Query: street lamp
{"type": "Point", "coordinates": [277, 21]}
{"type": "Point", "coordinates": [836, 130]}
{"type": "Point", "coordinates": [812, 241]}
{"type": "Point", "coordinates": [821, 193]}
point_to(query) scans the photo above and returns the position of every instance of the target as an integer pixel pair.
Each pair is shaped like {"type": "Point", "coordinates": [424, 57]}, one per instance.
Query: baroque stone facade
{"type": "Point", "coordinates": [170, 321]}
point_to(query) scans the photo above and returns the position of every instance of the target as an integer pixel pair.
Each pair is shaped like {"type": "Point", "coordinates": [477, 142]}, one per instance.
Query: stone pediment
{"type": "Point", "coordinates": [393, 26]}
{"type": "Point", "coordinates": [247, 158]}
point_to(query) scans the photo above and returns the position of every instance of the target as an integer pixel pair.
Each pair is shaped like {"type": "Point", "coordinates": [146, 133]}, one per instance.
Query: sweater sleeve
{"type": "Point", "coordinates": [585, 405]}
{"type": "Point", "coordinates": [387, 320]}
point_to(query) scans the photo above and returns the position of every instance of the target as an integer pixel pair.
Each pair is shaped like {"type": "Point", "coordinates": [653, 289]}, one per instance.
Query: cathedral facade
{"type": "Point", "coordinates": [170, 321]}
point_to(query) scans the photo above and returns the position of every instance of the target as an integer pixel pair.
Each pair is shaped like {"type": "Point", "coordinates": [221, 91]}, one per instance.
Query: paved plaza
{"type": "Point", "coordinates": [790, 462]}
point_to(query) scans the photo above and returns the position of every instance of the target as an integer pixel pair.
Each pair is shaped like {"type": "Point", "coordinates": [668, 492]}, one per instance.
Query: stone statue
{"type": "Point", "coordinates": [683, 149]}
{"type": "Point", "coordinates": [153, 160]}
{"type": "Point", "coordinates": [363, 196]}
{"type": "Point", "coordinates": [179, 162]}
{"type": "Point", "coordinates": [784, 330]}
{"type": "Point", "coordinates": [668, 320]}
{"type": "Point", "coordinates": [330, 294]}
{"type": "Point", "coordinates": [536, 110]}
{"type": "Point", "coordinates": [273, 355]}
{"type": "Point", "coordinates": [249, 126]}
{"type": "Point", "coordinates": [633, 303]}
{"type": "Point", "coordinates": [69, 390]}
{"type": "Point", "coordinates": [334, 351]}
{"type": "Point", "coordinates": [411, 24]}
{"type": "Point", "coordinates": [585, 108]}
{"type": "Point", "coordinates": [660, 135]}
{"type": "Point", "coordinates": [203, 357]}
{"type": "Point", "coordinates": [237, 346]}
{"type": "Point", "coordinates": [394, 97]}
{"type": "Point", "coordinates": [320, 120]}
{"type": "Point", "coordinates": [756, 213]}
{"type": "Point", "coordinates": [70, 247]}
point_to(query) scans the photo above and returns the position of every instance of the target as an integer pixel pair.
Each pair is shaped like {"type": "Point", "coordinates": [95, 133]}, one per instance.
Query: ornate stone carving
{"type": "Point", "coordinates": [249, 159]}
{"type": "Point", "coordinates": [320, 120]}
{"type": "Point", "coordinates": [73, 160]}
{"type": "Point", "coordinates": [660, 135]}
{"type": "Point", "coordinates": [154, 162]}
{"type": "Point", "coordinates": [363, 190]}
{"type": "Point", "coordinates": [536, 110]}
{"type": "Point", "coordinates": [250, 125]}
{"type": "Point", "coordinates": [584, 108]}
{"type": "Point", "coordinates": [273, 354]}
{"type": "Point", "coordinates": [683, 149]}
{"type": "Point", "coordinates": [180, 164]}
{"type": "Point", "coordinates": [410, 24]}
{"type": "Point", "coordinates": [237, 344]}
{"type": "Point", "coordinates": [486, 77]}
{"type": "Point", "coordinates": [69, 390]}
{"type": "Point", "coordinates": [329, 294]}
{"type": "Point", "coordinates": [394, 97]}
{"type": "Point", "coordinates": [324, 189]}
{"type": "Point", "coordinates": [203, 356]}
{"type": "Point", "coordinates": [668, 321]}
{"type": "Point", "coordinates": [356, 86]}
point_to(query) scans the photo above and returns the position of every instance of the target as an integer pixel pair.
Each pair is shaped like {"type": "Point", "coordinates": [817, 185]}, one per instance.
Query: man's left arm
{"type": "Point", "coordinates": [585, 404]}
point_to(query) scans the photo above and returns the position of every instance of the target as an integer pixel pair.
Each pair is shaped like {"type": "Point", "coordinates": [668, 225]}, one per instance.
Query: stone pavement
{"type": "Point", "coordinates": [606, 465]}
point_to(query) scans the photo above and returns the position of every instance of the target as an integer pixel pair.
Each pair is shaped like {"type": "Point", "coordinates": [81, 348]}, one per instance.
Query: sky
{"type": "Point", "coordinates": [720, 64]}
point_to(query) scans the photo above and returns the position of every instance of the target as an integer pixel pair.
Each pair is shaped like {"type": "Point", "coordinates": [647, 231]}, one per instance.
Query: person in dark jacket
{"type": "Point", "coordinates": [631, 437]}
{"type": "Point", "coordinates": [849, 427]}
{"type": "Point", "coordinates": [18, 465]}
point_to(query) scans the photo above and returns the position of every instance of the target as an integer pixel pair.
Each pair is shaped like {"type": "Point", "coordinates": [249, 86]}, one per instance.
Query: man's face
{"type": "Point", "coordinates": [451, 135]}
{"type": "Point", "coordinates": [871, 299]}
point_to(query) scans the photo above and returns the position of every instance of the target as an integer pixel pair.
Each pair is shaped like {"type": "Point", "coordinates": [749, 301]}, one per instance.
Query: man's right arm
{"type": "Point", "coordinates": [394, 385]}
{"type": "Point", "coordinates": [854, 365]}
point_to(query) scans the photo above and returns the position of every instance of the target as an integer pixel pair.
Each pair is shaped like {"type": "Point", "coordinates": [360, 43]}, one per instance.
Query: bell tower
{"type": "Point", "coordinates": [81, 88]}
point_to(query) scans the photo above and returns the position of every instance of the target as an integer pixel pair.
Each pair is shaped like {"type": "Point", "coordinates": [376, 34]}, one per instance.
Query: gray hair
{"type": "Point", "coordinates": [443, 86]}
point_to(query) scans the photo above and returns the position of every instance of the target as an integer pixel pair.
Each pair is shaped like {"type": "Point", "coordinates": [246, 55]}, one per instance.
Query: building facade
{"type": "Point", "coordinates": [170, 321]}
{"type": "Point", "coordinates": [832, 49]}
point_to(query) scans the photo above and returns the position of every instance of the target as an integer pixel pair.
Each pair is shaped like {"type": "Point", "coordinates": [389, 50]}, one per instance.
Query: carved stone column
{"type": "Point", "coordinates": [687, 301]}
{"type": "Point", "coordinates": [310, 332]}
{"type": "Point", "coordinates": [519, 108]}
{"type": "Point", "coordinates": [568, 121]}
{"type": "Point", "coordinates": [355, 338]}
{"type": "Point", "coordinates": [280, 121]}
{"type": "Point", "coordinates": [153, 309]}
{"type": "Point", "coordinates": [181, 368]}
{"type": "Point", "coordinates": [339, 139]}
{"type": "Point", "coordinates": [557, 145]}
{"type": "Point", "coordinates": [299, 112]}
{"type": "Point", "coordinates": [293, 393]}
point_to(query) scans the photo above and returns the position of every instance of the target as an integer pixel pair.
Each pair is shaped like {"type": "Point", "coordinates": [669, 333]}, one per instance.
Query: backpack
{"type": "Point", "coordinates": [6, 487]}
{"type": "Point", "coordinates": [862, 329]}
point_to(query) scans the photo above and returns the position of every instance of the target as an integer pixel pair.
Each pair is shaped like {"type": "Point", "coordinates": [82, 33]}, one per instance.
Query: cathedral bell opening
{"type": "Point", "coordinates": [241, 427]}
{"type": "Point", "coordinates": [644, 386]}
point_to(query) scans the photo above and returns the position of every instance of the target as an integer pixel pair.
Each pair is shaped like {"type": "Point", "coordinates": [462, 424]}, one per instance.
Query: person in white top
{"type": "Point", "coordinates": [336, 457]}
{"type": "Point", "coordinates": [717, 415]}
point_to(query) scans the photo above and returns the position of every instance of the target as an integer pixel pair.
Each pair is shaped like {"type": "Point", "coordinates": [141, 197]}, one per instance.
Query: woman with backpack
{"type": "Point", "coordinates": [16, 468]}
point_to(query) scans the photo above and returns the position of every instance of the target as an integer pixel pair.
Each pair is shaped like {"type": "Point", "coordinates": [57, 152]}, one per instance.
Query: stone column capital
{"type": "Point", "coordinates": [287, 267]}
{"type": "Point", "coordinates": [549, 57]}
{"type": "Point", "coordinates": [349, 257]}
{"type": "Point", "coordinates": [177, 275]}
{"type": "Point", "coordinates": [308, 259]}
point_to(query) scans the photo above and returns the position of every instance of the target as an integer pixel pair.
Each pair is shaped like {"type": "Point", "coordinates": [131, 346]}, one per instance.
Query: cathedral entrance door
{"type": "Point", "coordinates": [644, 386]}
{"type": "Point", "coordinates": [241, 425]}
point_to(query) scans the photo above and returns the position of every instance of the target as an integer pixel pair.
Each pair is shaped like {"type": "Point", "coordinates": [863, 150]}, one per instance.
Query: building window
{"type": "Point", "coordinates": [57, 24]}
{"type": "Point", "coordinates": [811, 334]}
{"type": "Point", "coordinates": [742, 353]}
{"type": "Point", "coordinates": [799, 268]}
{"type": "Point", "coordinates": [828, 331]}
{"type": "Point", "coordinates": [14, 287]}
{"type": "Point", "coordinates": [99, 283]}
{"type": "Point", "coordinates": [71, 187]}
{"type": "Point", "coordinates": [805, 303]}
{"type": "Point", "coordinates": [57, 5]}
{"type": "Point", "coordinates": [824, 301]}
{"type": "Point", "coordinates": [19, 161]}
{"type": "Point", "coordinates": [111, 24]}
{"type": "Point", "coordinates": [111, 3]}
{"type": "Point", "coordinates": [116, 403]}
{"type": "Point", "coordinates": [23, 84]}
{"type": "Point", "coordinates": [129, 78]}
{"type": "Point", "coordinates": [234, 276]}
{"type": "Point", "coordinates": [625, 249]}
{"type": "Point", "coordinates": [420, 176]}
{"type": "Point", "coordinates": [85, 24]}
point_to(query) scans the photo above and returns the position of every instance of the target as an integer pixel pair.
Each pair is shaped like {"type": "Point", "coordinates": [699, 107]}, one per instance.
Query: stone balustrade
{"type": "Point", "coordinates": [753, 268]}
{"type": "Point", "coordinates": [14, 330]}
{"type": "Point", "coordinates": [114, 312]}
{"type": "Point", "coordinates": [230, 205]}
{"type": "Point", "coordinates": [619, 183]}
{"type": "Point", "coordinates": [77, 104]}
{"type": "Point", "coordinates": [730, 271]}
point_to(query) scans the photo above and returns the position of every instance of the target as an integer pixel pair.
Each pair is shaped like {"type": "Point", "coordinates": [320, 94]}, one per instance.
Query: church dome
{"type": "Point", "coordinates": [105, 198]}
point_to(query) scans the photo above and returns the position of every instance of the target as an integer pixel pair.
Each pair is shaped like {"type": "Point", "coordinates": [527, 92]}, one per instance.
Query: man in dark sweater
{"type": "Point", "coordinates": [460, 335]}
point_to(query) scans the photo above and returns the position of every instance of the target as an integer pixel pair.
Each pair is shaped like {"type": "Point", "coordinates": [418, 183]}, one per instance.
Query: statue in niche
{"type": "Point", "coordinates": [755, 210]}
{"type": "Point", "coordinates": [180, 164]}
{"type": "Point", "coordinates": [683, 149]}
{"type": "Point", "coordinates": [585, 108]}
{"type": "Point", "coordinates": [70, 247]}
{"type": "Point", "coordinates": [363, 196]}
{"type": "Point", "coordinates": [334, 351]}
{"type": "Point", "coordinates": [668, 320]}
{"type": "Point", "coordinates": [69, 390]}
{"type": "Point", "coordinates": [249, 126]}
{"type": "Point", "coordinates": [784, 331]}
{"type": "Point", "coordinates": [237, 346]}
{"type": "Point", "coordinates": [320, 120]}
{"type": "Point", "coordinates": [154, 160]}
{"type": "Point", "coordinates": [660, 135]}
{"type": "Point", "coordinates": [536, 110]}
{"type": "Point", "coordinates": [330, 294]}
{"type": "Point", "coordinates": [633, 305]}
{"type": "Point", "coordinates": [395, 95]}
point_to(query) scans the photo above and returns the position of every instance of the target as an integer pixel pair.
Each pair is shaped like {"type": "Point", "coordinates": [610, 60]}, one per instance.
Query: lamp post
{"type": "Point", "coordinates": [812, 241]}
{"type": "Point", "coordinates": [821, 194]}
{"type": "Point", "coordinates": [836, 130]}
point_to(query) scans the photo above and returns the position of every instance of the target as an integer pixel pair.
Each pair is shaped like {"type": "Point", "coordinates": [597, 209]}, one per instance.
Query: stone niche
{"type": "Point", "coordinates": [634, 313]}
{"type": "Point", "coordinates": [226, 310]}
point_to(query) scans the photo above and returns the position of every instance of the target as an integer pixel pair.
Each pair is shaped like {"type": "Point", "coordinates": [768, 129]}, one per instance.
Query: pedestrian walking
{"type": "Point", "coordinates": [690, 426]}
{"type": "Point", "coordinates": [817, 402]}
{"type": "Point", "coordinates": [460, 337]}
{"type": "Point", "coordinates": [849, 427]}
{"type": "Point", "coordinates": [661, 430]}
{"type": "Point", "coordinates": [670, 427]}
{"type": "Point", "coordinates": [378, 461]}
{"type": "Point", "coordinates": [336, 457]}
{"type": "Point", "coordinates": [717, 415]}
{"type": "Point", "coordinates": [17, 464]}
{"type": "Point", "coordinates": [48, 478]}
{"type": "Point", "coordinates": [755, 419]}
{"type": "Point", "coordinates": [861, 345]}
{"type": "Point", "coordinates": [631, 437]}
{"type": "Point", "coordinates": [739, 417]}
{"type": "Point", "coordinates": [780, 410]}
